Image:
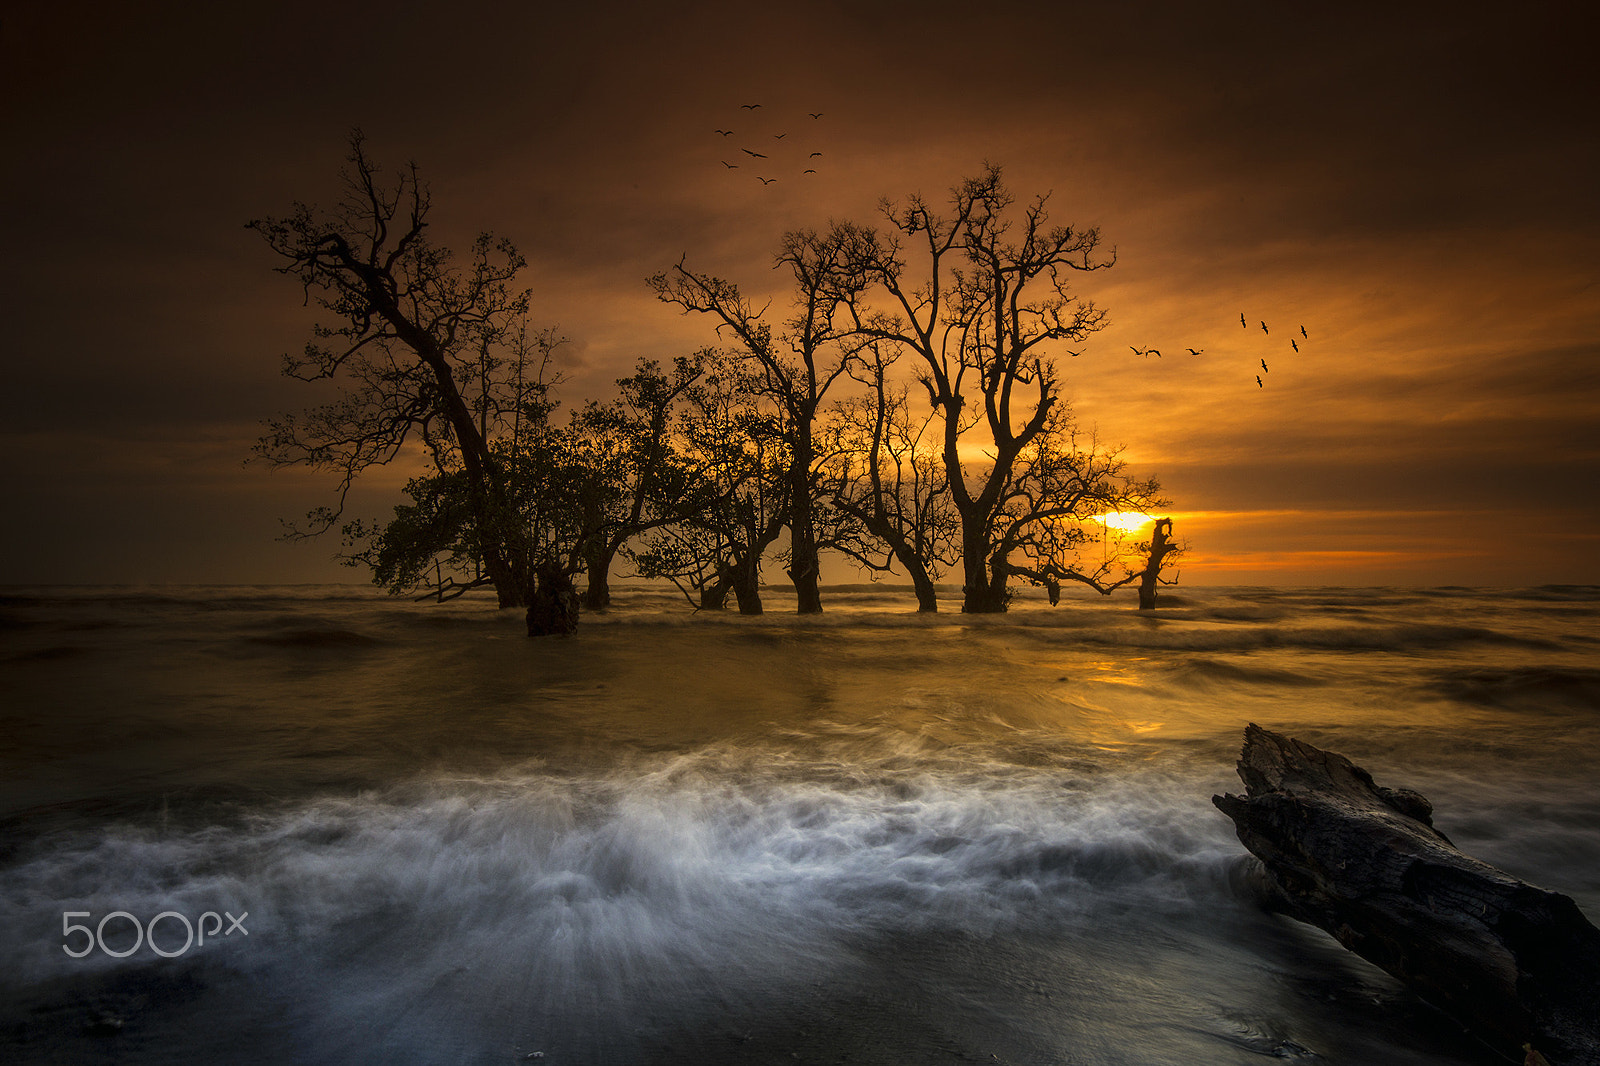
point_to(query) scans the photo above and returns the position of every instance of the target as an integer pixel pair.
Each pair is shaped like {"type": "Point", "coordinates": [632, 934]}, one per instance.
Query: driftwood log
{"type": "Point", "coordinates": [1513, 964]}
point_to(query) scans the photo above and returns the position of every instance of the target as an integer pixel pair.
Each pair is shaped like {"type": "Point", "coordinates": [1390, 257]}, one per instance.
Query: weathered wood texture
{"type": "Point", "coordinates": [1513, 963]}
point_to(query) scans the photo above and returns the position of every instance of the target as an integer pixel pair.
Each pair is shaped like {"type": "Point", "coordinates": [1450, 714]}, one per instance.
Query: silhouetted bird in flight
{"type": "Point", "coordinates": [1192, 351]}
{"type": "Point", "coordinates": [1242, 323]}
{"type": "Point", "coordinates": [730, 166]}
{"type": "Point", "coordinates": [1258, 381]}
{"type": "Point", "coordinates": [747, 151]}
{"type": "Point", "coordinates": [725, 133]}
{"type": "Point", "coordinates": [808, 172]}
{"type": "Point", "coordinates": [749, 107]}
{"type": "Point", "coordinates": [1264, 328]}
{"type": "Point", "coordinates": [814, 114]}
{"type": "Point", "coordinates": [779, 136]}
{"type": "Point", "coordinates": [1303, 333]}
{"type": "Point", "coordinates": [1264, 367]}
{"type": "Point", "coordinates": [765, 181]}
{"type": "Point", "coordinates": [1147, 352]}
{"type": "Point", "coordinates": [813, 155]}
{"type": "Point", "coordinates": [1293, 345]}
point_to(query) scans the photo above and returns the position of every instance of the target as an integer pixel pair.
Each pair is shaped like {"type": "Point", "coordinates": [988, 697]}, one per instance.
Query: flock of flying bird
{"type": "Point", "coordinates": [1245, 324]}
{"type": "Point", "coordinates": [817, 115]}
{"type": "Point", "coordinates": [771, 165]}
{"type": "Point", "coordinates": [1292, 343]}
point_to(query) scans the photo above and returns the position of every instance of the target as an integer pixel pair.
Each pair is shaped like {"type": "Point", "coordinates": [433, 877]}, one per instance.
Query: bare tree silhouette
{"type": "Point", "coordinates": [987, 299]}
{"type": "Point", "coordinates": [1161, 550]}
{"type": "Point", "coordinates": [797, 367]}
{"type": "Point", "coordinates": [731, 435]}
{"type": "Point", "coordinates": [411, 327]}
{"type": "Point", "coordinates": [888, 485]}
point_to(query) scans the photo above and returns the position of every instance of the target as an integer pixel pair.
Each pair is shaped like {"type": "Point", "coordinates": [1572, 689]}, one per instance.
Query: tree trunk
{"type": "Point", "coordinates": [1514, 964]}
{"type": "Point", "coordinates": [493, 515]}
{"type": "Point", "coordinates": [983, 592]}
{"type": "Point", "coordinates": [714, 597]}
{"type": "Point", "coordinates": [916, 568]}
{"type": "Point", "coordinates": [805, 567]}
{"type": "Point", "coordinates": [597, 596]}
{"type": "Point", "coordinates": [922, 584]}
{"type": "Point", "coordinates": [508, 592]}
{"type": "Point", "coordinates": [985, 599]}
{"type": "Point", "coordinates": [1160, 546]}
{"type": "Point", "coordinates": [511, 585]}
{"type": "Point", "coordinates": [554, 607]}
{"type": "Point", "coordinates": [808, 595]}
{"type": "Point", "coordinates": [746, 581]}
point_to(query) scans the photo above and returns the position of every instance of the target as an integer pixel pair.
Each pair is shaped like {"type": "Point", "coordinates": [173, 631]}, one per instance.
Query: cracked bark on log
{"type": "Point", "coordinates": [1514, 964]}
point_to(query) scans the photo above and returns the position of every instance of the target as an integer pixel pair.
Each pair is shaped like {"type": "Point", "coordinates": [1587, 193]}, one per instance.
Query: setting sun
{"type": "Point", "coordinates": [1124, 520]}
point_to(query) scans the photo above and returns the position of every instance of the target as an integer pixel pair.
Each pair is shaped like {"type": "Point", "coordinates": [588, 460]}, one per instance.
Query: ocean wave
{"type": "Point", "coordinates": [1245, 629]}
{"type": "Point", "coordinates": [1175, 634]}
{"type": "Point", "coordinates": [316, 638]}
{"type": "Point", "coordinates": [1246, 613]}
{"type": "Point", "coordinates": [1207, 671]}
{"type": "Point", "coordinates": [49, 653]}
{"type": "Point", "coordinates": [1562, 593]}
{"type": "Point", "coordinates": [409, 917]}
{"type": "Point", "coordinates": [684, 854]}
{"type": "Point", "coordinates": [1511, 687]}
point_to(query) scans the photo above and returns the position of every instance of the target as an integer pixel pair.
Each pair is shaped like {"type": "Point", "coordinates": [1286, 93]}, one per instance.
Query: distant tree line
{"type": "Point", "coordinates": [905, 412]}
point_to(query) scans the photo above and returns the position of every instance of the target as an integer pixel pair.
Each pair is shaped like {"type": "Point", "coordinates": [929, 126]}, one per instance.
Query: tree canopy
{"type": "Point", "coordinates": [906, 413]}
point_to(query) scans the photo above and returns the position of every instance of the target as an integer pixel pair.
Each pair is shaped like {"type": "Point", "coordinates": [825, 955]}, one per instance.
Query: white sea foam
{"type": "Point", "coordinates": [685, 885]}
{"type": "Point", "coordinates": [695, 847]}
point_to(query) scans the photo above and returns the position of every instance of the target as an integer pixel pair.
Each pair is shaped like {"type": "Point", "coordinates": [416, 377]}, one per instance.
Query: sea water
{"type": "Point", "coordinates": [410, 834]}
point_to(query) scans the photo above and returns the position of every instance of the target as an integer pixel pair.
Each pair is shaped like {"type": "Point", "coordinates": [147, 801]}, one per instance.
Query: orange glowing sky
{"type": "Point", "coordinates": [1416, 188]}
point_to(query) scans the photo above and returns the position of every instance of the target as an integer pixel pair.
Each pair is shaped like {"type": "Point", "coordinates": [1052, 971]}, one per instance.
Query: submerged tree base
{"type": "Point", "coordinates": [553, 610]}
{"type": "Point", "coordinates": [985, 599]}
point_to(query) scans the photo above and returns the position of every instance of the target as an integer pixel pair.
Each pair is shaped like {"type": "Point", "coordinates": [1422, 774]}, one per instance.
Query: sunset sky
{"type": "Point", "coordinates": [1416, 186]}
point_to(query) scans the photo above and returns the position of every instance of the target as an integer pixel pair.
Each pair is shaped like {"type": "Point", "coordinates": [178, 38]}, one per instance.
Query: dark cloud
{"type": "Point", "coordinates": [1410, 179]}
